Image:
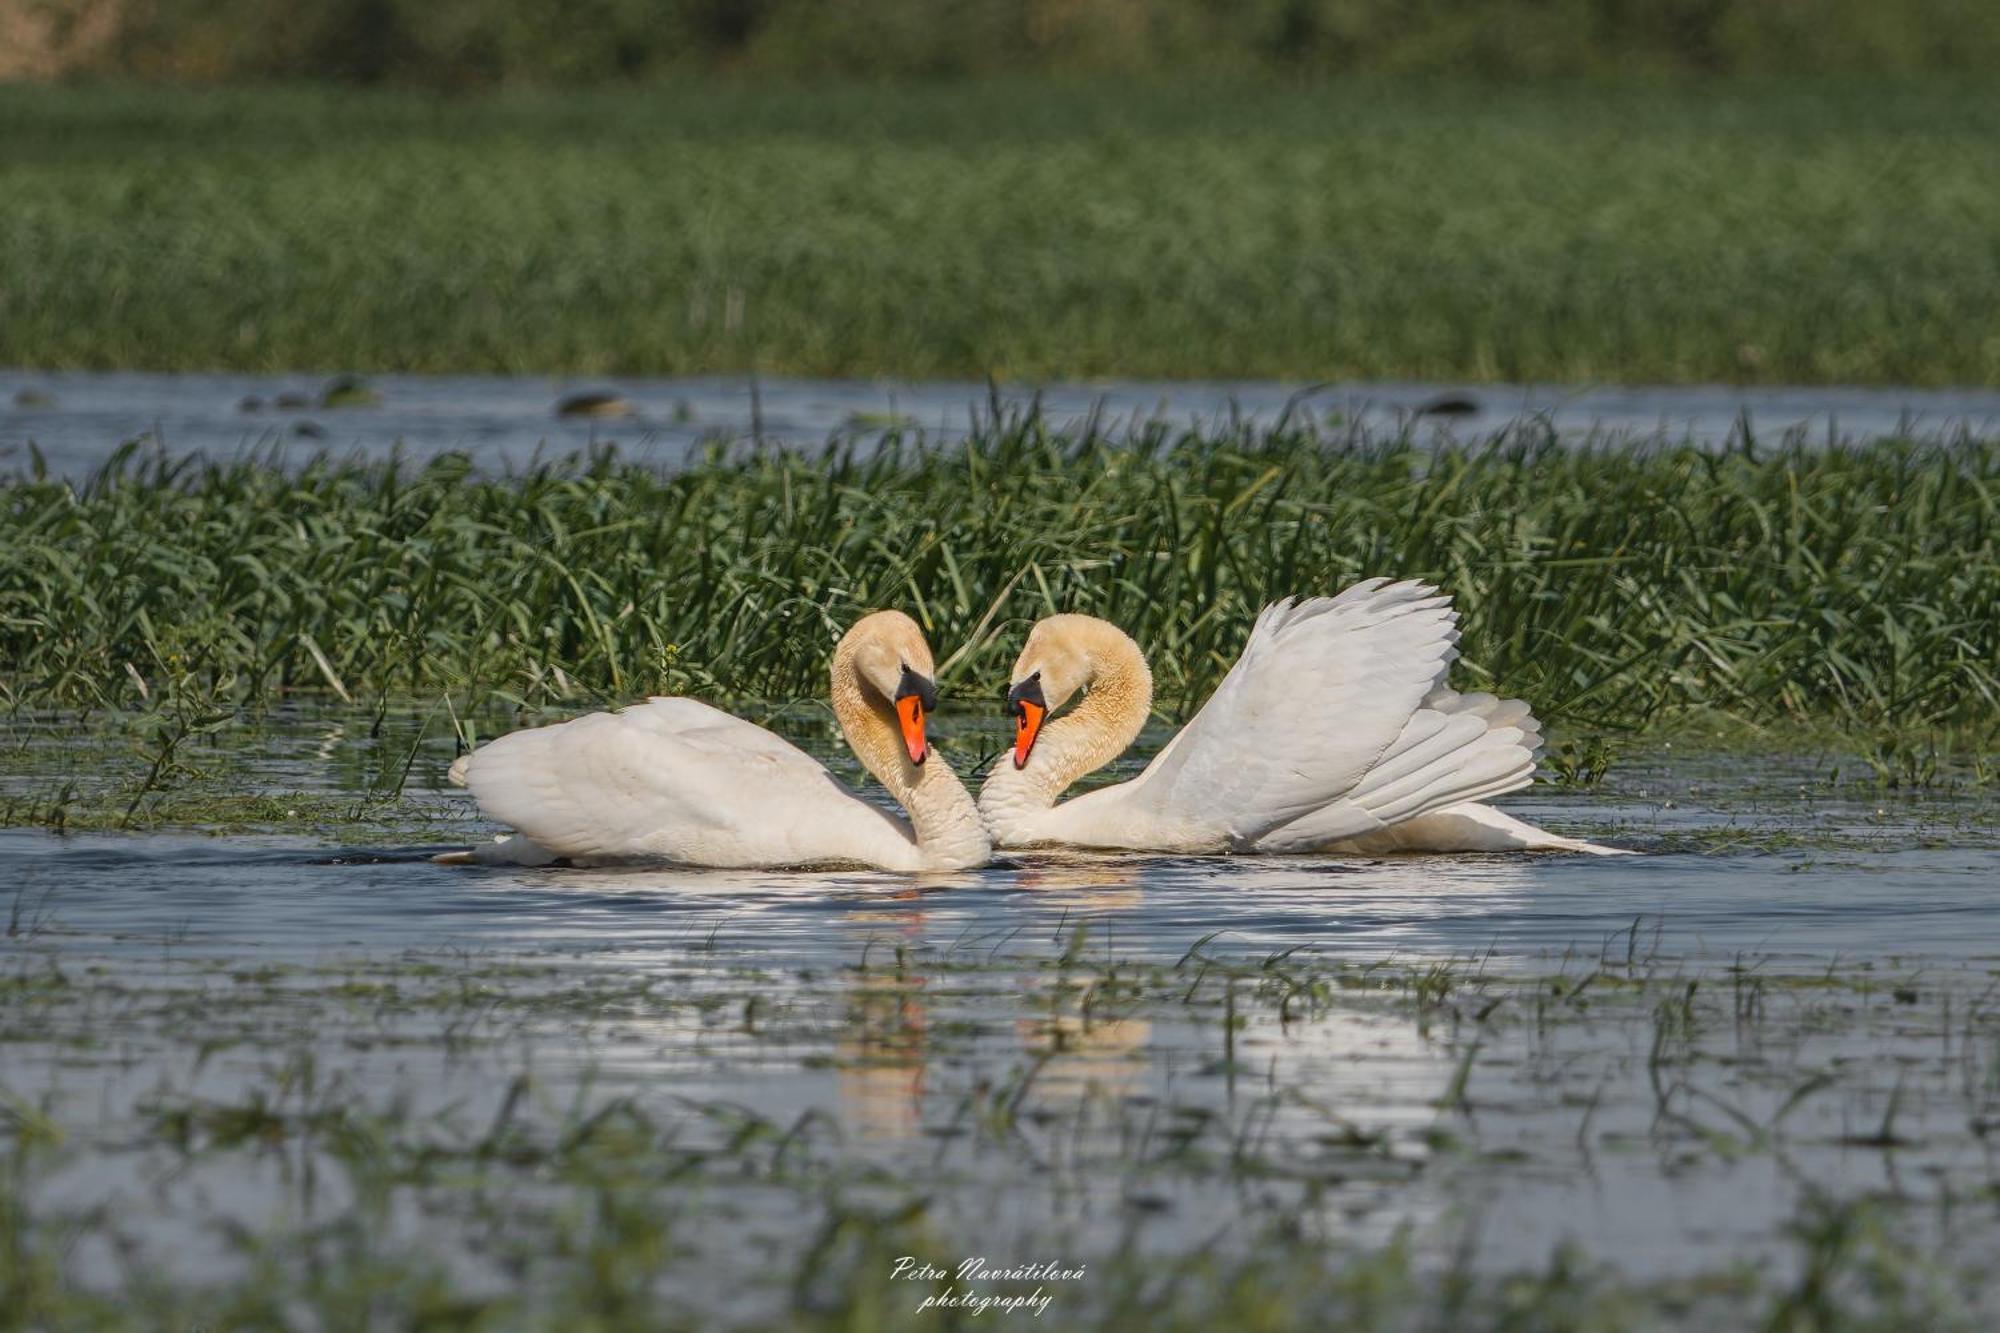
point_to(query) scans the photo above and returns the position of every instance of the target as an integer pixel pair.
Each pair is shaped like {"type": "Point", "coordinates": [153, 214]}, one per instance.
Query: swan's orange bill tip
{"type": "Point", "coordinates": [910, 712]}
{"type": "Point", "coordinates": [1028, 717]}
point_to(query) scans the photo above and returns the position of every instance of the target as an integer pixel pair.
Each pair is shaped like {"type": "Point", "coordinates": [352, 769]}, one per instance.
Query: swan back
{"type": "Point", "coordinates": [674, 779]}
{"type": "Point", "coordinates": [1322, 690]}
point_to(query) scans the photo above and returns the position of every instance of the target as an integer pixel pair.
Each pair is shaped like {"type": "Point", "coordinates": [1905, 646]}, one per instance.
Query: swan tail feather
{"type": "Point", "coordinates": [1457, 748]}
{"type": "Point", "coordinates": [1469, 827]}
{"type": "Point", "coordinates": [504, 850]}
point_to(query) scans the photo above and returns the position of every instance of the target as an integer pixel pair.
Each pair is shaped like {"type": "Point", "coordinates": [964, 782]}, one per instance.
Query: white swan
{"type": "Point", "coordinates": [676, 780]}
{"type": "Point", "coordinates": [1333, 732]}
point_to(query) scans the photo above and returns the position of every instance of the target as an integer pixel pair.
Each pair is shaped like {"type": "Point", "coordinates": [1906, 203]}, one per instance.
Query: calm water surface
{"type": "Point", "coordinates": [1772, 854]}
{"type": "Point", "coordinates": [1465, 1050]}
{"type": "Point", "coordinates": [77, 418]}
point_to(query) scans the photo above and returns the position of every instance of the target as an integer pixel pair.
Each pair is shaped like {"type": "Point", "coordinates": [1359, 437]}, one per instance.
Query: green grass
{"type": "Point", "coordinates": [1852, 589]}
{"type": "Point", "coordinates": [1803, 231]}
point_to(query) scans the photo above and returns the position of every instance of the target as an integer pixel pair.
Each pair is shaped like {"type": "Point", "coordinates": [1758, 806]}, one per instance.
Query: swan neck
{"type": "Point", "coordinates": [1117, 700]}
{"type": "Point", "coordinates": [949, 834]}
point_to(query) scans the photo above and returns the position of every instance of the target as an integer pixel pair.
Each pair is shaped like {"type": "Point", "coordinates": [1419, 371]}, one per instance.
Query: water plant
{"type": "Point", "coordinates": [1618, 587]}
{"type": "Point", "coordinates": [453, 1138]}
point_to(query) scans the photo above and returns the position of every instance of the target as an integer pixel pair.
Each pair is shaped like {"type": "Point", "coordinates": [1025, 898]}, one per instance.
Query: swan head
{"type": "Point", "coordinates": [886, 654]}
{"type": "Point", "coordinates": [1064, 654]}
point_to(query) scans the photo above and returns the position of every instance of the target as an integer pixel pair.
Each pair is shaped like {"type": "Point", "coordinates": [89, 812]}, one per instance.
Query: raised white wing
{"type": "Point", "coordinates": [677, 780]}
{"type": "Point", "coordinates": [1321, 693]}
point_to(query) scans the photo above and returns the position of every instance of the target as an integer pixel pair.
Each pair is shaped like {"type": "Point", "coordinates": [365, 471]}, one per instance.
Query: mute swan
{"type": "Point", "coordinates": [676, 780]}
{"type": "Point", "coordinates": [1333, 732]}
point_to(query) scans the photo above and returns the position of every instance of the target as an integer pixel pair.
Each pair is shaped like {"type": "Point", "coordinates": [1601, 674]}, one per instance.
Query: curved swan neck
{"type": "Point", "coordinates": [949, 833]}
{"type": "Point", "coordinates": [1117, 700]}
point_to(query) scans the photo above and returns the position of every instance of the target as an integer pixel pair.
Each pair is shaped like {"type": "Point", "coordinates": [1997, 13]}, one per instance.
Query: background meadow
{"type": "Point", "coordinates": [1026, 227]}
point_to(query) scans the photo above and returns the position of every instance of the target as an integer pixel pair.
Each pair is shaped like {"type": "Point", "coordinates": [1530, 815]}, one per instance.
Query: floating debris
{"type": "Point", "coordinates": [879, 421]}
{"type": "Point", "coordinates": [291, 402]}
{"type": "Point", "coordinates": [596, 403]}
{"type": "Point", "coordinates": [348, 391]}
{"type": "Point", "coordinates": [34, 398]}
{"type": "Point", "coordinates": [250, 402]}
{"type": "Point", "coordinates": [309, 430]}
{"type": "Point", "coordinates": [1450, 405]}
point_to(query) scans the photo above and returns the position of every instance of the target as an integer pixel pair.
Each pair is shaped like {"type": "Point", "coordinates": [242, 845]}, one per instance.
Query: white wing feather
{"type": "Point", "coordinates": [1455, 748]}
{"type": "Point", "coordinates": [1322, 692]}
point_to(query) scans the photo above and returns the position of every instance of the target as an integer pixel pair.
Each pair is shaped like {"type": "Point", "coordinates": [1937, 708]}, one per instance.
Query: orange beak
{"type": "Point", "coordinates": [910, 713]}
{"type": "Point", "coordinates": [1028, 717]}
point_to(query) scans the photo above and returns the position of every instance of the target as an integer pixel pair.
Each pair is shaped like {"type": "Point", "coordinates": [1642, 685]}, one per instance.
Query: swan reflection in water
{"type": "Point", "coordinates": [894, 961]}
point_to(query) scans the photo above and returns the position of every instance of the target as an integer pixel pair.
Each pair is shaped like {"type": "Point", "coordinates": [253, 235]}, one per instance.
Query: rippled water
{"type": "Point", "coordinates": [1762, 854]}
{"type": "Point", "coordinates": [1665, 1062]}
{"type": "Point", "coordinates": [1283, 1005]}
{"type": "Point", "coordinates": [77, 418]}
{"type": "Point", "coordinates": [289, 901]}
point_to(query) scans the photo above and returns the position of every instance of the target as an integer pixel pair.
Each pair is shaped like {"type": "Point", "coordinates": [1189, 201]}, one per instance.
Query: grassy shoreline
{"type": "Point", "coordinates": [1788, 231]}
{"type": "Point", "coordinates": [1855, 590]}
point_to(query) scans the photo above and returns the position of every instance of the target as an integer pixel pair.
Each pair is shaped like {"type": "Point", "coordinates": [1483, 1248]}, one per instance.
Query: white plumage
{"type": "Point", "coordinates": [1333, 728]}
{"type": "Point", "coordinates": [675, 780]}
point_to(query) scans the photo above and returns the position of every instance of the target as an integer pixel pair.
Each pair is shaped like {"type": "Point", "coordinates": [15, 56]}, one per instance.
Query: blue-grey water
{"type": "Point", "coordinates": [76, 419]}
{"type": "Point", "coordinates": [1834, 945]}
{"type": "Point", "coordinates": [1903, 892]}
{"type": "Point", "coordinates": [1662, 1062]}
{"type": "Point", "coordinates": [1774, 854]}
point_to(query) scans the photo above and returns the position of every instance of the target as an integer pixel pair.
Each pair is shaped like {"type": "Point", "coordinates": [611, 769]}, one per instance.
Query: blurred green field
{"type": "Point", "coordinates": [1794, 232]}
{"type": "Point", "coordinates": [470, 43]}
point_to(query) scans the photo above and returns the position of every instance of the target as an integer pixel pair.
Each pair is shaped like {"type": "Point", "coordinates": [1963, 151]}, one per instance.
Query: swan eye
{"type": "Point", "coordinates": [916, 696]}
{"type": "Point", "coordinates": [918, 687]}
{"type": "Point", "coordinates": [1027, 706]}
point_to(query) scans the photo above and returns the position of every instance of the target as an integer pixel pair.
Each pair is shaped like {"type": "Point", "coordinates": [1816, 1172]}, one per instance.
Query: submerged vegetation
{"type": "Point", "coordinates": [1773, 232]}
{"type": "Point", "coordinates": [720, 1135]}
{"type": "Point", "coordinates": [1619, 587]}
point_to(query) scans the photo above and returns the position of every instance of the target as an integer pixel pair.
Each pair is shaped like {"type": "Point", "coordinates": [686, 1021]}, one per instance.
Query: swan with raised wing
{"type": "Point", "coordinates": [1333, 732]}
{"type": "Point", "coordinates": [678, 781]}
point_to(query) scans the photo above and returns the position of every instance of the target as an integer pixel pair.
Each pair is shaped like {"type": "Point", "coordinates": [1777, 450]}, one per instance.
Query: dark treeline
{"type": "Point", "coordinates": [471, 43]}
